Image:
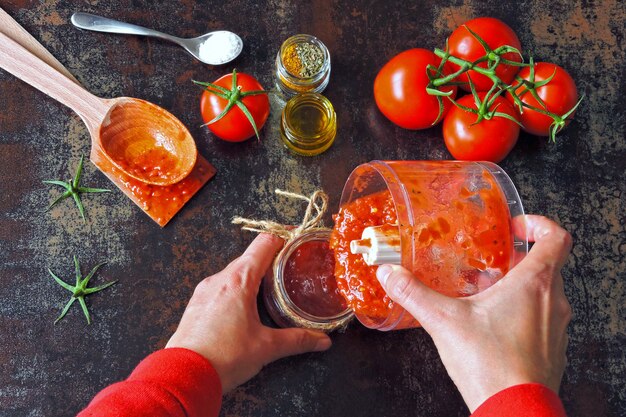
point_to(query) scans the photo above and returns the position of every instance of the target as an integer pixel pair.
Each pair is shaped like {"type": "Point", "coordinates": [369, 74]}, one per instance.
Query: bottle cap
{"type": "Point", "coordinates": [379, 245]}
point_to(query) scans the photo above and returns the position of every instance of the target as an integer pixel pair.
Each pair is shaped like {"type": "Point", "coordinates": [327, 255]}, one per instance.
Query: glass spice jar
{"type": "Point", "coordinates": [308, 124]}
{"type": "Point", "coordinates": [300, 288]}
{"type": "Point", "coordinates": [302, 65]}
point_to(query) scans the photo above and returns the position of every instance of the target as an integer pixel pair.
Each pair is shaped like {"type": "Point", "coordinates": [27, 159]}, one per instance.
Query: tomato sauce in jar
{"type": "Point", "coordinates": [309, 280]}
{"type": "Point", "coordinates": [300, 289]}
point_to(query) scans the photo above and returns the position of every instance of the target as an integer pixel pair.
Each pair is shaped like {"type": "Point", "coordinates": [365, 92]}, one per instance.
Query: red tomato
{"type": "Point", "coordinates": [400, 90]}
{"type": "Point", "coordinates": [489, 140]}
{"type": "Point", "coordinates": [462, 44]}
{"type": "Point", "coordinates": [235, 126]}
{"type": "Point", "coordinates": [559, 96]}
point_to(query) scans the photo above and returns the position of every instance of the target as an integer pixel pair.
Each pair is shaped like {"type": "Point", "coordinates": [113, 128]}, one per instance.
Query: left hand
{"type": "Point", "coordinates": [221, 321]}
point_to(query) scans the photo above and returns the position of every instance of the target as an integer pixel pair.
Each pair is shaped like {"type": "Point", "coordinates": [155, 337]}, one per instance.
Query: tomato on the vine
{"type": "Point", "coordinates": [487, 140]}
{"type": "Point", "coordinates": [227, 96]}
{"type": "Point", "coordinates": [400, 90]}
{"type": "Point", "coordinates": [495, 33]}
{"type": "Point", "coordinates": [559, 96]}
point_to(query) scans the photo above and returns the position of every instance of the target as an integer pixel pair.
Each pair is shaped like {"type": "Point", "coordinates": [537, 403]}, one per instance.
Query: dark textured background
{"type": "Point", "coordinates": [48, 370]}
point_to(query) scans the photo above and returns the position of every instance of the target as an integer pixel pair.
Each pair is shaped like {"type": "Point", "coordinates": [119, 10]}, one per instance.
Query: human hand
{"type": "Point", "coordinates": [512, 333]}
{"type": "Point", "coordinates": [221, 321]}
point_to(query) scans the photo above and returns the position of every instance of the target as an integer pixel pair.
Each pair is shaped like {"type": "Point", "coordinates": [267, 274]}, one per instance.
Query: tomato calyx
{"type": "Point", "coordinates": [483, 108]}
{"type": "Point", "coordinates": [530, 87]}
{"type": "Point", "coordinates": [234, 96]}
{"type": "Point", "coordinates": [494, 57]}
{"type": "Point", "coordinates": [560, 121]}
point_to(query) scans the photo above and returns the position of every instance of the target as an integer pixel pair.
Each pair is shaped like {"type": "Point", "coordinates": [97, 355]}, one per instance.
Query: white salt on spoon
{"type": "Point", "coordinates": [221, 46]}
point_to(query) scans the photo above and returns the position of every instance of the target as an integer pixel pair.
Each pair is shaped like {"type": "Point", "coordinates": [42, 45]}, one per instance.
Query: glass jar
{"type": "Point", "coordinates": [455, 224]}
{"type": "Point", "coordinates": [308, 124]}
{"type": "Point", "coordinates": [290, 83]}
{"type": "Point", "coordinates": [300, 289]}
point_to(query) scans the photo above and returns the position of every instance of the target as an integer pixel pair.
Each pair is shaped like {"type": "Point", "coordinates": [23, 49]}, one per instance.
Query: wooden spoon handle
{"type": "Point", "coordinates": [17, 60]}
{"type": "Point", "coordinates": [15, 31]}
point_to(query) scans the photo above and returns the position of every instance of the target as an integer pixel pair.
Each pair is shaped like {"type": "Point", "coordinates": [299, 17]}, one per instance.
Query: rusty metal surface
{"type": "Point", "coordinates": [48, 369]}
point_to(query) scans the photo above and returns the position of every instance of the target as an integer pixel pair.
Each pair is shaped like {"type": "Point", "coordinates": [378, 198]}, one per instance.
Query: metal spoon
{"type": "Point", "coordinates": [209, 54]}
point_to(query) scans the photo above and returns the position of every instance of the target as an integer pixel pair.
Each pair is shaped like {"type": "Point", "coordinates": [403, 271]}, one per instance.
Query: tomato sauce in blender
{"type": "Point", "coordinates": [460, 241]}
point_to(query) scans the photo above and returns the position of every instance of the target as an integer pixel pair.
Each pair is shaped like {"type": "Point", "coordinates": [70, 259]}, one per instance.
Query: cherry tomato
{"type": "Point", "coordinates": [559, 96]}
{"type": "Point", "coordinates": [488, 140]}
{"type": "Point", "coordinates": [462, 44]}
{"type": "Point", "coordinates": [400, 90]}
{"type": "Point", "coordinates": [235, 126]}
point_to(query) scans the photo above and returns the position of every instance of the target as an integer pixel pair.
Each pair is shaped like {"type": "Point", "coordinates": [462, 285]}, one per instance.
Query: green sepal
{"type": "Point", "coordinates": [506, 116]}
{"type": "Point", "coordinates": [91, 274]}
{"type": "Point", "coordinates": [79, 172]}
{"type": "Point", "coordinates": [245, 111]}
{"type": "Point", "coordinates": [61, 282]}
{"type": "Point", "coordinates": [65, 309]}
{"type": "Point", "coordinates": [92, 190]}
{"type": "Point", "coordinates": [77, 271]}
{"type": "Point", "coordinates": [559, 123]}
{"type": "Point", "coordinates": [224, 112]}
{"type": "Point", "coordinates": [99, 287]}
{"type": "Point", "coordinates": [83, 305]}
{"type": "Point", "coordinates": [211, 85]}
{"type": "Point", "coordinates": [479, 39]}
{"type": "Point", "coordinates": [58, 199]}
{"type": "Point", "coordinates": [437, 92]}
{"type": "Point", "coordinates": [441, 109]}
{"type": "Point", "coordinates": [55, 182]}
{"type": "Point", "coordinates": [79, 203]}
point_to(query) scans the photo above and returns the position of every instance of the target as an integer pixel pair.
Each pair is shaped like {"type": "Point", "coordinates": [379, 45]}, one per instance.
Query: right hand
{"type": "Point", "coordinates": [514, 332]}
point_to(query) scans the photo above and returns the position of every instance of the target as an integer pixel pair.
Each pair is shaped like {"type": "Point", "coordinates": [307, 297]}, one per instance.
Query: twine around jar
{"type": "Point", "coordinates": [312, 221]}
{"type": "Point", "coordinates": [313, 217]}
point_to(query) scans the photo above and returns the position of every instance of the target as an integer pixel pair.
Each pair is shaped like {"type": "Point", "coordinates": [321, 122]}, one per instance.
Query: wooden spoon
{"type": "Point", "coordinates": [140, 138]}
{"type": "Point", "coordinates": [15, 31]}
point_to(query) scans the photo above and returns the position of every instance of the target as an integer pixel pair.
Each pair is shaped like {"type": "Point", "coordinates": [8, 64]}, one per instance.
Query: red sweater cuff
{"type": "Point", "coordinates": [526, 400]}
{"type": "Point", "coordinates": [169, 382]}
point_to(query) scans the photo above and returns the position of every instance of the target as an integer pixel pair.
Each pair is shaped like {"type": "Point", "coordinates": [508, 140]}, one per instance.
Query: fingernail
{"type": "Point", "coordinates": [323, 343]}
{"type": "Point", "coordinates": [383, 272]}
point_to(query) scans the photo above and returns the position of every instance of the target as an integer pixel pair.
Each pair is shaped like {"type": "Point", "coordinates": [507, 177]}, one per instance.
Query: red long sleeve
{"type": "Point", "coordinates": [526, 400]}
{"type": "Point", "coordinates": [169, 383]}
{"type": "Point", "coordinates": [181, 383]}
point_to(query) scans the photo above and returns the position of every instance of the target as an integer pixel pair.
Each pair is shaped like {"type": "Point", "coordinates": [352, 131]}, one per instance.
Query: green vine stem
{"type": "Point", "coordinates": [493, 58]}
